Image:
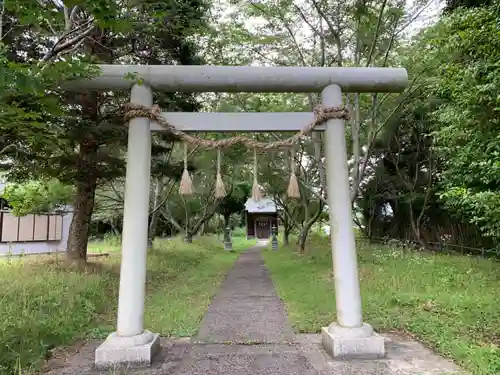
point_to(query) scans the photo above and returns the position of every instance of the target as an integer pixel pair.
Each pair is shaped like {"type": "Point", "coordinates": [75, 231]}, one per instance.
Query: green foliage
{"type": "Point", "coordinates": [447, 127]}
{"type": "Point", "coordinates": [234, 202]}
{"type": "Point", "coordinates": [37, 196]}
{"type": "Point", "coordinates": [26, 101]}
{"type": "Point", "coordinates": [448, 302]}
{"type": "Point", "coordinates": [479, 208]}
{"type": "Point", "coordinates": [466, 49]}
{"type": "Point", "coordinates": [46, 305]}
{"type": "Point", "coordinates": [452, 5]}
{"type": "Point", "coordinates": [80, 138]}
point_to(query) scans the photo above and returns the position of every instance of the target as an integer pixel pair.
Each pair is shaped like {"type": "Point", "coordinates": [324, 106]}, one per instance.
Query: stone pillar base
{"type": "Point", "coordinates": [360, 342]}
{"type": "Point", "coordinates": [118, 351]}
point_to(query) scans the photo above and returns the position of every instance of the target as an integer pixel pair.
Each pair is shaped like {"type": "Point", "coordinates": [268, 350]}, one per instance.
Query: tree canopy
{"type": "Point", "coordinates": [422, 163]}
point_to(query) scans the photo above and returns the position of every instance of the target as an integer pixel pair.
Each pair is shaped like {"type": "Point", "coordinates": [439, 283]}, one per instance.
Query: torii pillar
{"type": "Point", "coordinates": [348, 336]}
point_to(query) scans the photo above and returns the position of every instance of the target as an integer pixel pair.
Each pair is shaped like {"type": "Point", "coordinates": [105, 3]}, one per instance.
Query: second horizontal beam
{"type": "Point", "coordinates": [237, 121]}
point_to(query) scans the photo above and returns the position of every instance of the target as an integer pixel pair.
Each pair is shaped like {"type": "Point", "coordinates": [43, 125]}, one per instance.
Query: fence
{"type": "Point", "coordinates": [33, 234]}
{"type": "Point", "coordinates": [442, 247]}
{"type": "Point", "coordinates": [30, 228]}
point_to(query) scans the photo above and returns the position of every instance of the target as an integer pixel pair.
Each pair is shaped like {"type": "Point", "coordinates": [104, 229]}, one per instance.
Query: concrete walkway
{"type": "Point", "coordinates": [245, 330]}
{"type": "Point", "coordinates": [246, 307]}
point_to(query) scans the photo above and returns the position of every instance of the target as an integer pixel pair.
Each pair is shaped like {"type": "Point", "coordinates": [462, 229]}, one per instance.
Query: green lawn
{"type": "Point", "coordinates": [451, 303]}
{"type": "Point", "coordinates": [43, 304]}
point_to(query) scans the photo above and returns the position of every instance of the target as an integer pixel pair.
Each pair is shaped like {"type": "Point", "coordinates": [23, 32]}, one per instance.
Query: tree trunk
{"type": "Point", "coordinates": [306, 227]}
{"type": "Point", "coordinates": [86, 183]}
{"type": "Point", "coordinates": [416, 231]}
{"type": "Point", "coordinates": [319, 162]}
{"type": "Point", "coordinates": [302, 239]}
{"type": "Point", "coordinates": [79, 229]}
{"type": "Point", "coordinates": [154, 216]}
{"type": "Point", "coordinates": [286, 237]}
{"type": "Point", "coordinates": [369, 229]}
{"type": "Point", "coordinates": [206, 217]}
{"type": "Point", "coordinates": [226, 221]}
{"type": "Point", "coordinates": [287, 228]}
{"type": "Point", "coordinates": [415, 225]}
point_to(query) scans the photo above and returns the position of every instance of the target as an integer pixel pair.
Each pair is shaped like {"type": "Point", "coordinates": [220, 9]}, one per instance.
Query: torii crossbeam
{"type": "Point", "coordinates": [349, 335]}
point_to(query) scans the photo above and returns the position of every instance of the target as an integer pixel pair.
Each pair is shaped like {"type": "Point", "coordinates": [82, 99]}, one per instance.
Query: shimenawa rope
{"type": "Point", "coordinates": [321, 115]}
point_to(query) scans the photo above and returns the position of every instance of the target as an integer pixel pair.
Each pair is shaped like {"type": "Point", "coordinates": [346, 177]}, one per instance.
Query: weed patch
{"type": "Point", "coordinates": [44, 305]}
{"type": "Point", "coordinates": [448, 302]}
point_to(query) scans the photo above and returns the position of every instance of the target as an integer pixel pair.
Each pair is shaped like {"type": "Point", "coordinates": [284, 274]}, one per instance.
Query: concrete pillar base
{"type": "Point", "coordinates": [360, 342]}
{"type": "Point", "coordinates": [118, 351]}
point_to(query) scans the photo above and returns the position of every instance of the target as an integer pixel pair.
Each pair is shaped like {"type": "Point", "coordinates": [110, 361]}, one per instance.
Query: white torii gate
{"type": "Point", "coordinates": [349, 335]}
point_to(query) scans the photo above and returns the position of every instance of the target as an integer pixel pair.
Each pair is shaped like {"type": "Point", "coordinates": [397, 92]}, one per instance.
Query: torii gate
{"type": "Point", "coordinates": [349, 335]}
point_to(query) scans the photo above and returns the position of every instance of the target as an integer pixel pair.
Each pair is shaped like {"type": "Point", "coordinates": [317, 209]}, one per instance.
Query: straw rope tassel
{"type": "Point", "coordinates": [186, 186]}
{"type": "Point", "coordinates": [220, 190]}
{"type": "Point", "coordinates": [293, 186]}
{"type": "Point", "coordinates": [256, 194]}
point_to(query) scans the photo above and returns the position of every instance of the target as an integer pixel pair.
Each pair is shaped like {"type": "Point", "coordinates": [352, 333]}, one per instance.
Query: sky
{"type": "Point", "coordinates": [425, 18]}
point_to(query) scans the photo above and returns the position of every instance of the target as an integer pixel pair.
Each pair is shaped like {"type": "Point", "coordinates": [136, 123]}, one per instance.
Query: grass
{"type": "Point", "coordinates": [451, 303]}
{"type": "Point", "coordinates": [43, 304]}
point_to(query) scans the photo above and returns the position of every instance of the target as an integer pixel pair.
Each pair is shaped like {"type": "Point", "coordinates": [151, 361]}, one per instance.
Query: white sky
{"type": "Point", "coordinates": [426, 17]}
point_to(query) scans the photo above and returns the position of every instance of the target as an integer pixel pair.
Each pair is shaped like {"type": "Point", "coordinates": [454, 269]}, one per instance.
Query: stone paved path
{"type": "Point", "coordinates": [246, 307]}
{"type": "Point", "coordinates": [248, 314]}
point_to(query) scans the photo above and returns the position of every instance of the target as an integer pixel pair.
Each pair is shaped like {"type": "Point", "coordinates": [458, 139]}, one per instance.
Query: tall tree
{"type": "Point", "coordinates": [467, 50]}
{"type": "Point", "coordinates": [321, 33]}
{"type": "Point", "coordinates": [83, 144]}
{"type": "Point", "coordinates": [455, 63]}
{"type": "Point", "coordinates": [451, 5]}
